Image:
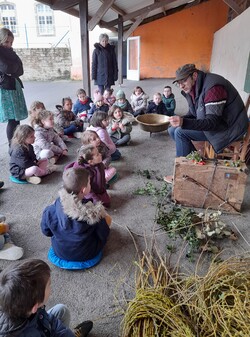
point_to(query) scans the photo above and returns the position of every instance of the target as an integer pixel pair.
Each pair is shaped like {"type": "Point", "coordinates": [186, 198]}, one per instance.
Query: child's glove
{"type": "Point", "coordinates": [4, 228]}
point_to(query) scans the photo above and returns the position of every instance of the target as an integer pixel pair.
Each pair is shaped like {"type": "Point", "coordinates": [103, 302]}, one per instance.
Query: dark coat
{"type": "Point", "coordinates": [11, 67]}
{"type": "Point", "coordinates": [221, 127]}
{"type": "Point", "coordinates": [156, 109]}
{"type": "Point", "coordinates": [41, 324]}
{"type": "Point", "coordinates": [78, 230]}
{"type": "Point", "coordinates": [104, 65]}
{"type": "Point", "coordinates": [21, 158]}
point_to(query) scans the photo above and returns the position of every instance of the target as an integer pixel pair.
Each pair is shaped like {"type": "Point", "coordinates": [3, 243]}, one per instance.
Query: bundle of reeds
{"type": "Point", "coordinates": [219, 302]}
{"type": "Point", "coordinates": [152, 312]}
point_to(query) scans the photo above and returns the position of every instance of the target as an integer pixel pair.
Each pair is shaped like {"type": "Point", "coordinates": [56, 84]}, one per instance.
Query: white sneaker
{"type": "Point", "coordinates": [11, 252]}
{"type": "Point", "coordinates": [77, 134]}
{"type": "Point", "coordinates": [34, 180]}
{"type": "Point", "coordinates": [52, 160]}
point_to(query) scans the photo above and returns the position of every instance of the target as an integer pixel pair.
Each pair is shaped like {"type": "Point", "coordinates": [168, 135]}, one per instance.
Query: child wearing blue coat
{"type": "Point", "coordinates": [78, 229]}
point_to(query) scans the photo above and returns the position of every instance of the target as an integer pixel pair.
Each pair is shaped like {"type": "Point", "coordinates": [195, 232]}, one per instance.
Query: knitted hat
{"type": "Point", "coordinates": [120, 94]}
{"type": "Point", "coordinates": [184, 72]}
{"type": "Point", "coordinates": [98, 96]}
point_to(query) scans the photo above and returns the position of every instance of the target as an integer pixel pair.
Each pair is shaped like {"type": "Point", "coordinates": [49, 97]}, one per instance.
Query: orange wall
{"type": "Point", "coordinates": [184, 37]}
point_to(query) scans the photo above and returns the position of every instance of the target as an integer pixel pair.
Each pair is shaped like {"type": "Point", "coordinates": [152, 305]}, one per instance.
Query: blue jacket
{"type": "Point", "coordinates": [41, 324]}
{"type": "Point", "coordinates": [78, 231]}
{"type": "Point", "coordinates": [80, 107]}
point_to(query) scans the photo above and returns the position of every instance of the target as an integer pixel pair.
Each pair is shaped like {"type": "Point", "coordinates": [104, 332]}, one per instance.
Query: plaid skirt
{"type": "Point", "coordinates": [12, 104]}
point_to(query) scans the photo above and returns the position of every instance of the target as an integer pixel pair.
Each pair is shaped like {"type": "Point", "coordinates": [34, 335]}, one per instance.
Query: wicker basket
{"type": "Point", "coordinates": [153, 122]}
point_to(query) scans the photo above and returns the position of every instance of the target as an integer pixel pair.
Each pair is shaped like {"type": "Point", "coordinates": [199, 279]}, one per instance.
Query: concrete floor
{"type": "Point", "coordinates": [100, 294]}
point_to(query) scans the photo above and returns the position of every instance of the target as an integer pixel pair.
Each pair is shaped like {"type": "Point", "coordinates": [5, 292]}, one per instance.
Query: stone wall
{"type": "Point", "coordinates": [45, 64]}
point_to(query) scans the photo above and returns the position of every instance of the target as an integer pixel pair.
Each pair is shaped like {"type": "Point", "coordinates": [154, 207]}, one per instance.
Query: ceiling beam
{"type": "Point", "coordinates": [63, 4]}
{"type": "Point", "coordinates": [141, 11]}
{"type": "Point", "coordinates": [118, 10]}
{"type": "Point", "coordinates": [134, 26]}
{"type": "Point", "coordinates": [99, 14]}
{"type": "Point", "coordinates": [234, 6]}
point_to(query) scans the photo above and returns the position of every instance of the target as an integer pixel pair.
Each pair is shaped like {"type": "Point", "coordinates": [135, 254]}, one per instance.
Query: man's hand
{"type": "Point", "coordinates": [176, 121]}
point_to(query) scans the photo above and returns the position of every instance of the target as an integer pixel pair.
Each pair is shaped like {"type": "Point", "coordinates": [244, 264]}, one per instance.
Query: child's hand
{"type": "Point", "coordinates": [65, 152]}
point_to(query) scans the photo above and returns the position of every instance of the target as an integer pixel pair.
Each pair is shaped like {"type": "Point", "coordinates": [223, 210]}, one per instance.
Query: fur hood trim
{"type": "Point", "coordinates": [76, 210]}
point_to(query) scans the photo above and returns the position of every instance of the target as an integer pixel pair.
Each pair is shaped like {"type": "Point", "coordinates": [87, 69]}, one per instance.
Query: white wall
{"type": "Point", "coordinates": [27, 36]}
{"type": "Point", "coordinates": [230, 52]}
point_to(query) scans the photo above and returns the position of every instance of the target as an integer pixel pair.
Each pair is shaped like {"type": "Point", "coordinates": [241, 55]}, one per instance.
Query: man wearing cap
{"type": "Point", "coordinates": [216, 112]}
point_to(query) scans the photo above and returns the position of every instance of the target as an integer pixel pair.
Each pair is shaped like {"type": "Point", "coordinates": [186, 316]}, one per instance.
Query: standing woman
{"type": "Point", "coordinates": [12, 102]}
{"type": "Point", "coordinates": [104, 64]}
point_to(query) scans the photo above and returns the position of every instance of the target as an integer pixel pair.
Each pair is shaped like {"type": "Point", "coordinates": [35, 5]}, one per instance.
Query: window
{"type": "Point", "coordinates": [45, 20]}
{"type": "Point", "coordinates": [8, 17]}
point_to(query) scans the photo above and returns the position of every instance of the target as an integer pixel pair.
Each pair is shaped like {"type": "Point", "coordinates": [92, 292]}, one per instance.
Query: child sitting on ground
{"type": "Point", "coordinates": [120, 126]}
{"type": "Point", "coordinates": [78, 228]}
{"type": "Point", "coordinates": [23, 162]}
{"type": "Point", "coordinates": [91, 137]}
{"type": "Point", "coordinates": [98, 105]}
{"type": "Point", "coordinates": [82, 105]}
{"type": "Point", "coordinates": [24, 290]}
{"type": "Point", "coordinates": [66, 121]}
{"type": "Point", "coordinates": [108, 97]}
{"type": "Point", "coordinates": [122, 102]}
{"type": "Point", "coordinates": [139, 101]}
{"type": "Point", "coordinates": [8, 251]}
{"type": "Point", "coordinates": [48, 144]}
{"type": "Point", "coordinates": [99, 123]}
{"type": "Point", "coordinates": [156, 106]}
{"type": "Point", "coordinates": [90, 158]}
{"type": "Point", "coordinates": [35, 108]}
{"type": "Point", "coordinates": [169, 100]}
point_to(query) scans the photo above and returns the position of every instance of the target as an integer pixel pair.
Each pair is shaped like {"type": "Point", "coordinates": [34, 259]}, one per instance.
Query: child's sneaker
{"type": "Point", "coordinates": [11, 252]}
{"type": "Point", "coordinates": [110, 172]}
{"type": "Point", "coordinates": [52, 160]}
{"type": "Point", "coordinates": [77, 134]}
{"type": "Point", "coordinates": [83, 329]}
{"type": "Point", "coordinates": [34, 180]}
{"type": "Point", "coordinates": [1, 183]}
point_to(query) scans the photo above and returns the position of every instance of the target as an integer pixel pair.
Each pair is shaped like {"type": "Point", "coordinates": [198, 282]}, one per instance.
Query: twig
{"type": "Point", "coordinates": [241, 234]}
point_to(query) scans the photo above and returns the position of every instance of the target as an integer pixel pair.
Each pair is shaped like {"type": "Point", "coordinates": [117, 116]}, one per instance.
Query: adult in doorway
{"type": "Point", "coordinates": [13, 107]}
{"type": "Point", "coordinates": [104, 64]}
{"type": "Point", "coordinates": [216, 112]}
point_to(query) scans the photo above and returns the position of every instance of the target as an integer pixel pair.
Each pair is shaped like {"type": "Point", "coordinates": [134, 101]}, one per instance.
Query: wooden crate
{"type": "Point", "coordinates": [213, 185]}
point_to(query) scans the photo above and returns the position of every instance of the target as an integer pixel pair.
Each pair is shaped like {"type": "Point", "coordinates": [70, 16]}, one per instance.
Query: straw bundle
{"type": "Point", "coordinates": [152, 312]}
{"type": "Point", "coordinates": [220, 303]}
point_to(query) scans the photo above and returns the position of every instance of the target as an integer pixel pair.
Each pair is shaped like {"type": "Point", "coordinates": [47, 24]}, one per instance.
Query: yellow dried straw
{"type": "Point", "coordinates": [152, 312]}
{"type": "Point", "coordinates": [219, 304]}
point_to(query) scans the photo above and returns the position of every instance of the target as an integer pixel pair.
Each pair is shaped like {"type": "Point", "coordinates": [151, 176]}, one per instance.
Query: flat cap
{"type": "Point", "coordinates": [184, 72]}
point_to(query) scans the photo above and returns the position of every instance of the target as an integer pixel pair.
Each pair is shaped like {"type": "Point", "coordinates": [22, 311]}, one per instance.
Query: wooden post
{"type": "Point", "coordinates": [83, 15]}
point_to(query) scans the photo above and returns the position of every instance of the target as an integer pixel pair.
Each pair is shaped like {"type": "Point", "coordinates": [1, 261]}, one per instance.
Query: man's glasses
{"type": "Point", "coordinates": [178, 83]}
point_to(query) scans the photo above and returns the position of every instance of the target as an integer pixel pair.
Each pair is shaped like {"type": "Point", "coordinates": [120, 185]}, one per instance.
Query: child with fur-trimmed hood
{"type": "Point", "coordinates": [78, 229]}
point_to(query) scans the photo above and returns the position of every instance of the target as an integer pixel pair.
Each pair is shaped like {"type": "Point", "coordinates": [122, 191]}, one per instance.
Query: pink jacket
{"type": "Point", "coordinates": [104, 136]}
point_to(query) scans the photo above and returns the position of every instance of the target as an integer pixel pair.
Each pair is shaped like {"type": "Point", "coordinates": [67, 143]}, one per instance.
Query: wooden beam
{"type": "Point", "coordinates": [120, 49]}
{"type": "Point", "coordinates": [234, 6]}
{"type": "Point", "coordinates": [63, 4]}
{"type": "Point", "coordinates": [118, 10]}
{"type": "Point", "coordinates": [83, 15]}
{"type": "Point", "coordinates": [134, 26]}
{"type": "Point", "coordinates": [99, 14]}
{"type": "Point", "coordinates": [141, 11]}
